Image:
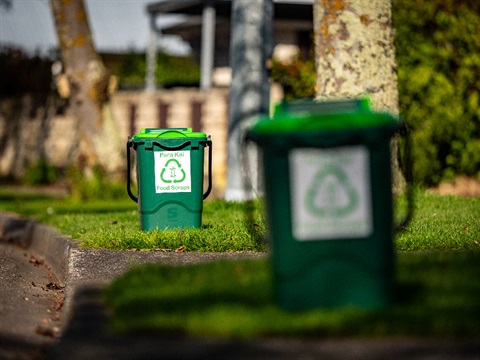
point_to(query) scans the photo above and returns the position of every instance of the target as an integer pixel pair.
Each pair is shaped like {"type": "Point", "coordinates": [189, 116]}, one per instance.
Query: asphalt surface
{"type": "Point", "coordinates": [50, 309]}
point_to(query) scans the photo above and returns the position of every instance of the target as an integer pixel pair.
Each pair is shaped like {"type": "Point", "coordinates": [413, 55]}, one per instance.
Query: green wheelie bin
{"type": "Point", "coordinates": [170, 171]}
{"type": "Point", "coordinates": [328, 197]}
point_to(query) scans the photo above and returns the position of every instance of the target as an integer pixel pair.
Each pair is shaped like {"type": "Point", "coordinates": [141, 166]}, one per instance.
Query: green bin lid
{"type": "Point", "coordinates": [167, 133]}
{"type": "Point", "coordinates": [323, 116]}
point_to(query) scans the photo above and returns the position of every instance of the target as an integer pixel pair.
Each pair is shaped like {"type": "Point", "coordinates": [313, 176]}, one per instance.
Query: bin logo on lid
{"type": "Point", "coordinates": [172, 171]}
{"type": "Point", "coordinates": [330, 193]}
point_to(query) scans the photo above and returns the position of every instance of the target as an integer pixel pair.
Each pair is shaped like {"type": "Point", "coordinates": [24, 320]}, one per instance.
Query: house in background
{"type": "Point", "coordinates": [205, 25]}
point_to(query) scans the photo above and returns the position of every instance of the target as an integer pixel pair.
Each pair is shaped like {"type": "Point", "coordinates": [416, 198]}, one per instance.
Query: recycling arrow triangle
{"type": "Point", "coordinates": [331, 193]}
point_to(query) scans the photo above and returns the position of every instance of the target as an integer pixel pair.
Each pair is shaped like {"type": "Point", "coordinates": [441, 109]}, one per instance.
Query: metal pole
{"type": "Point", "coordinates": [250, 48]}
{"type": "Point", "coordinates": [151, 56]}
{"type": "Point", "coordinates": [208, 45]}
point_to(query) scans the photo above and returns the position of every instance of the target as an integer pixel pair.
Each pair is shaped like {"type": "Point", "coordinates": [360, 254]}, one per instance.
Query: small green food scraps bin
{"type": "Point", "coordinates": [329, 203]}
{"type": "Point", "coordinates": [170, 165]}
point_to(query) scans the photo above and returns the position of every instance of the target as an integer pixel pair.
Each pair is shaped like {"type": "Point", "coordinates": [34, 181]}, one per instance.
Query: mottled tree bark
{"type": "Point", "coordinates": [355, 56]}
{"type": "Point", "coordinates": [88, 85]}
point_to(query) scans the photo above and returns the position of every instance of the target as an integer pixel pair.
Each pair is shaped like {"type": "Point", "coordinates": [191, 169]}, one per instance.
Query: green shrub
{"type": "Point", "coordinates": [132, 70]}
{"type": "Point", "coordinates": [40, 172]}
{"type": "Point", "coordinates": [176, 70]}
{"type": "Point", "coordinates": [297, 77]}
{"type": "Point", "coordinates": [438, 55]}
{"type": "Point", "coordinates": [170, 71]}
{"type": "Point", "coordinates": [96, 187]}
{"type": "Point", "coordinates": [22, 73]}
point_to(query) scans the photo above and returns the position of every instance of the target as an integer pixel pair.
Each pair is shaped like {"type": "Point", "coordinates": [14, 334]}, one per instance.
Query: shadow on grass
{"type": "Point", "coordinates": [437, 295]}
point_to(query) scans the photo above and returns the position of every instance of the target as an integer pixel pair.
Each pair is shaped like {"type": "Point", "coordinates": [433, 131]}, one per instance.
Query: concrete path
{"type": "Point", "coordinates": [30, 305]}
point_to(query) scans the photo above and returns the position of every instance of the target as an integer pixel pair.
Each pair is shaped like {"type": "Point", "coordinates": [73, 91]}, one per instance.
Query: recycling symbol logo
{"type": "Point", "coordinates": [331, 193]}
{"type": "Point", "coordinates": [172, 172]}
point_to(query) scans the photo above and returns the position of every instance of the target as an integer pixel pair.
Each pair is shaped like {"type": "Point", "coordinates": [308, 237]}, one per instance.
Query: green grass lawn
{"type": "Point", "coordinates": [437, 272]}
{"type": "Point", "coordinates": [440, 223]}
{"type": "Point", "coordinates": [115, 224]}
{"type": "Point", "coordinates": [437, 295]}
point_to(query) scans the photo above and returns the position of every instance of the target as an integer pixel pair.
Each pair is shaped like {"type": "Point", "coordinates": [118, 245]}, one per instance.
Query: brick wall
{"type": "Point", "coordinates": [202, 111]}
{"type": "Point", "coordinates": [31, 128]}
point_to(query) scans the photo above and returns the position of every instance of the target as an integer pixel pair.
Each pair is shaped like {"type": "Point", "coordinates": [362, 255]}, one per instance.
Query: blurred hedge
{"type": "Point", "coordinates": [170, 71]}
{"type": "Point", "coordinates": [21, 73]}
{"type": "Point", "coordinates": [438, 56]}
{"type": "Point", "coordinates": [296, 77]}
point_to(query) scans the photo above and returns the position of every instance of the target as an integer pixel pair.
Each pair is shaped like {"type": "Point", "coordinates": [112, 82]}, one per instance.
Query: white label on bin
{"type": "Point", "coordinates": [330, 193]}
{"type": "Point", "coordinates": [172, 171]}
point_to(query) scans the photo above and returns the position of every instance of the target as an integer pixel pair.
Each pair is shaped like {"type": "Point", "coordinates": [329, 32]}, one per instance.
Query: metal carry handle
{"type": "Point", "coordinates": [129, 191]}
{"type": "Point", "coordinates": [409, 191]}
{"type": "Point", "coordinates": [209, 188]}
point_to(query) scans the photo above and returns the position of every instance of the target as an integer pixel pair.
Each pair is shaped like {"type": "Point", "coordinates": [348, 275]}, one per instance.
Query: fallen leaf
{"type": "Point", "coordinates": [466, 228]}
{"type": "Point", "coordinates": [59, 304]}
{"type": "Point", "coordinates": [36, 261]}
{"type": "Point", "coordinates": [45, 331]}
{"type": "Point", "coordinates": [180, 249]}
{"type": "Point", "coordinates": [476, 242]}
{"type": "Point", "coordinates": [52, 286]}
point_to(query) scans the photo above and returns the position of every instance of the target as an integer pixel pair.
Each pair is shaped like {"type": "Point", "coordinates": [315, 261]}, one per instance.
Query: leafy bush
{"type": "Point", "coordinates": [171, 71]}
{"type": "Point", "coordinates": [23, 74]}
{"type": "Point", "coordinates": [438, 55]}
{"type": "Point", "coordinates": [40, 173]}
{"type": "Point", "coordinates": [174, 70]}
{"type": "Point", "coordinates": [297, 77]}
{"type": "Point", "coordinates": [96, 187]}
{"type": "Point", "coordinates": [132, 70]}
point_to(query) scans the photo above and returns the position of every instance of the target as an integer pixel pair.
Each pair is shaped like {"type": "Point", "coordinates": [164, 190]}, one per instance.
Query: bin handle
{"type": "Point", "coordinates": [209, 188]}
{"type": "Point", "coordinates": [409, 191]}
{"type": "Point", "coordinates": [129, 191]}
{"type": "Point", "coordinates": [170, 148]}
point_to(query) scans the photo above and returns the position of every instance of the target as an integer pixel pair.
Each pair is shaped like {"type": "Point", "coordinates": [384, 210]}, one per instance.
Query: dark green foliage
{"type": "Point", "coordinates": [174, 71]}
{"type": "Point", "coordinates": [297, 78]}
{"type": "Point", "coordinates": [96, 187]}
{"type": "Point", "coordinates": [438, 55]}
{"type": "Point", "coordinates": [171, 71]}
{"type": "Point", "coordinates": [40, 173]}
{"type": "Point", "coordinates": [22, 74]}
{"type": "Point", "coordinates": [132, 70]}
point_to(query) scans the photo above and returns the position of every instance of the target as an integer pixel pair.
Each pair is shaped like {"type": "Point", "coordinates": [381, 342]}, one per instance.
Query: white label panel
{"type": "Point", "coordinates": [172, 171]}
{"type": "Point", "coordinates": [330, 193]}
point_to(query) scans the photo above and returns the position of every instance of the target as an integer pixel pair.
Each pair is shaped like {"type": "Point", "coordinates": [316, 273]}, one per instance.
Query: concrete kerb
{"type": "Point", "coordinates": [76, 268]}
{"type": "Point", "coordinates": [45, 244]}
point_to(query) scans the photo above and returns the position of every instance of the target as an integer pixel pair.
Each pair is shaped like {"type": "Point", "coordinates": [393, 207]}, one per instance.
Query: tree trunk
{"type": "Point", "coordinates": [355, 56]}
{"type": "Point", "coordinates": [88, 89]}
